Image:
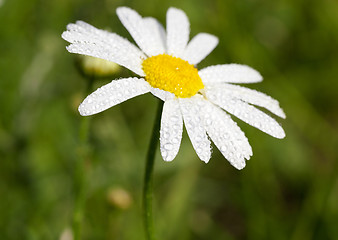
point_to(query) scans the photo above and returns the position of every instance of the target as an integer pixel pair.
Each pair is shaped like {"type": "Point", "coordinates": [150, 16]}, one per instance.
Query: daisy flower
{"type": "Point", "coordinates": [166, 61]}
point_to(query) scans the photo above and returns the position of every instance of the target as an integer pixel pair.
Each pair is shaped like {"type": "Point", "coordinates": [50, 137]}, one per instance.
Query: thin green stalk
{"type": "Point", "coordinates": [148, 176]}
{"type": "Point", "coordinates": [81, 172]}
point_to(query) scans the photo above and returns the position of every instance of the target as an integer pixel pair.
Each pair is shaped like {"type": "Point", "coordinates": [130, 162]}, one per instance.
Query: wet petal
{"type": "Point", "coordinates": [158, 33]}
{"type": "Point", "coordinates": [161, 94]}
{"type": "Point", "coordinates": [230, 73]}
{"type": "Point", "coordinates": [88, 40]}
{"type": "Point", "coordinates": [144, 32]}
{"type": "Point", "coordinates": [251, 96]}
{"type": "Point", "coordinates": [171, 129]}
{"type": "Point", "coordinates": [112, 94]}
{"type": "Point", "coordinates": [247, 113]}
{"type": "Point", "coordinates": [178, 29]}
{"type": "Point", "coordinates": [199, 47]}
{"type": "Point", "coordinates": [226, 135]}
{"type": "Point", "coordinates": [191, 110]}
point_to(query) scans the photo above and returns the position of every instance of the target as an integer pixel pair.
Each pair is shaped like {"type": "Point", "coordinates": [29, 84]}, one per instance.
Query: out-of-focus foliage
{"type": "Point", "coordinates": [289, 188]}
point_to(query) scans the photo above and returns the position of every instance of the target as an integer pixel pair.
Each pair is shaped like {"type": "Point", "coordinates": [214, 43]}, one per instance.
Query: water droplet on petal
{"type": "Point", "coordinates": [176, 126]}
{"type": "Point", "coordinates": [166, 135]}
{"type": "Point", "coordinates": [208, 122]}
{"type": "Point", "coordinates": [164, 154]}
{"type": "Point", "coordinates": [168, 146]}
{"type": "Point", "coordinates": [198, 150]}
{"type": "Point", "coordinates": [174, 118]}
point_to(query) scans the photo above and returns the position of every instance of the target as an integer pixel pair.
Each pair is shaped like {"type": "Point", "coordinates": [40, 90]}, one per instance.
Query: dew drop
{"type": "Point", "coordinates": [164, 154]}
{"type": "Point", "coordinates": [166, 134]}
{"type": "Point", "coordinates": [176, 127]}
{"type": "Point", "coordinates": [174, 118]}
{"type": "Point", "coordinates": [198, 150]}
{"type": "Point", "coordinates": [168, 146]}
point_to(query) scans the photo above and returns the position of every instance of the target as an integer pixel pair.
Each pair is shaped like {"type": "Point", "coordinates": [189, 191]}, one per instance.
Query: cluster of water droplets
{"type": "Point", "coordinates": [226, 135]}
{"type": "Point", "coordinates": [171, 129]}
{"type": "Point", "coordinates": [253, 97]}
{"type": "Point", "coordinates": [230, 73]}
{"type": "Point", "coordinates": [192, 114]}
{"type": "Point", "coordinates": [202, 120]}
{"type": "Point", "coordinates": [112, 94]}
{"type": "Point", "coordinates": [88, 40]}
{"type": "Point", "coordinates": [245, 112]}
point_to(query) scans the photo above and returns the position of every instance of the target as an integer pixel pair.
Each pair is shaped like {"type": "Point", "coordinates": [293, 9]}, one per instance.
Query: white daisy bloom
{"type": "Point", "coordinates": [165, 60]}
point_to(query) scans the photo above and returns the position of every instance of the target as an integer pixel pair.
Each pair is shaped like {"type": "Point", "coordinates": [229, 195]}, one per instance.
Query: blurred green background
{"type": "Point", "coordinates": [289, 188]}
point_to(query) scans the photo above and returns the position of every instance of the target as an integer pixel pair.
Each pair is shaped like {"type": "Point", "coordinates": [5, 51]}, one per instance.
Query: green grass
{"type": "Point", "coordinates": [289, 188]}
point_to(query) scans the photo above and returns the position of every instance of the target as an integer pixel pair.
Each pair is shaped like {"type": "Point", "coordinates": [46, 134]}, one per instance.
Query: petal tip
{"type": "Point", "coordinates": [125, 11]}
{"type": "Point", "coordinates": [239, 165]}
{"type": "Point", "coordinates": [80, 22]}
{"type": "Point", "coordinates": [172, 11]}
{"type": "Point", "coordinates": [253, 73]}
{"type": "Point", "coordinates": [70, 48]}
{"type": "Point", "coordinates": [121, 9]}
{"type": "Point", "coordinates": [205, 158]}
{"type": "Point", "coordinates": [282, 114]}
{"type": "Point", "coordinates": [167, 157]}
{"type": "Point", "coordinates": [211, 37]}
{"type": "Point", "coordinates": [278, 133]}
{"type": "Point", "coordinates": [281, 135]}
{"type": "Point", "coordinates": [82, 110]}
{"type": "Point", "coordinates": [256, 75]}
{"type": "Point", "coordinates": [64, 35]}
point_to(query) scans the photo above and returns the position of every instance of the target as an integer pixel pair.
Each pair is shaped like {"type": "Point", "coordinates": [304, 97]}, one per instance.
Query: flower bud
{"type": "Point", "coordinates": [119, 198]}
{"type": "Point", "coordinates": [97, 67]}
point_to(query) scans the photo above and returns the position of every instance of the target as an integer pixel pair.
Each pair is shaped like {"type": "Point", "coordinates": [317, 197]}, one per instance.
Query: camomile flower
{"type": "Point", "coordinates": [166, 63]}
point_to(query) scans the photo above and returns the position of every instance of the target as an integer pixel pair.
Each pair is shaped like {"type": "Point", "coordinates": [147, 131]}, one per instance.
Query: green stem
{"type": "Point", "coordinates": [148, 176]}
{"type": "Point", "coordinates": [81, 171]}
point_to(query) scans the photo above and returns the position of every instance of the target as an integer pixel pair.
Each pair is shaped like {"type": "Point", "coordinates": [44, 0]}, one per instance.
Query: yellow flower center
{"type": "Point", "coordinates": [172, 74]}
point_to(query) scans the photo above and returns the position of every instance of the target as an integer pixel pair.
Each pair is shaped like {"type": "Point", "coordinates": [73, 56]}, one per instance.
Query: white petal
{"type": "Point", "coordinates": [81, 26]}
{"type": "Point", "coordinates": [171, 129]}
{"type": "Point", "coordinates": [199, 47]}
{"type": "Point", "coordinates": [191, 111]}
{"type": "Point", "coordinates": [230, 73]}
{"type": "Point", "coordinates": [247, 113]}
{"type": "Point", "coordinates": [253, 97]}
{"type": "Point", "coordinates": [145, 33]}
{"type": "Point", "coordinates": [91, 41]}
{"type": "Point", "coordinates": [178, 29]}
{"type": "Point", "coordinates": [158, 33]}
{"type": "Point", "coordinates": [161, 94]}
{"type": "Point", "coordinates": [112, 94]}
{"type": "Point", "coordinates": [226, 135]}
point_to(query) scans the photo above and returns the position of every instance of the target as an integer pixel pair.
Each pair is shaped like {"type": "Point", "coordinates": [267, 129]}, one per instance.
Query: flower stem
{"type": "Point", "coordinates": [81, 172]}
{"type": "Point", "coordinates": [148, 176]}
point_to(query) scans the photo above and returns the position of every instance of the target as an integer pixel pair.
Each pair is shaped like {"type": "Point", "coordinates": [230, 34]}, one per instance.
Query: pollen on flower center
{"type": "Point", "coordinates": [172, 74]}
